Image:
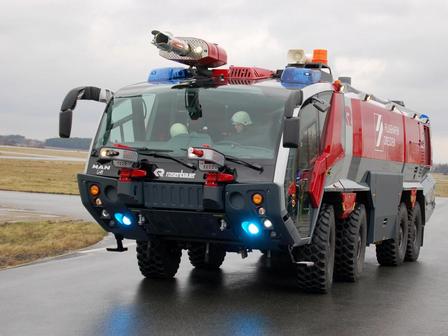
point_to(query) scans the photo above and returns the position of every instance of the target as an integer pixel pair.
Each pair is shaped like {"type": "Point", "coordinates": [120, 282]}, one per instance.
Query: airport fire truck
{"type": "Point", "coordinates": [290, 162]}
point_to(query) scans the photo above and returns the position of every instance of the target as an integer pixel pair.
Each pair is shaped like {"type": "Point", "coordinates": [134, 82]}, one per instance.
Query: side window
{"type": "Point", "coordinates": [121, 122]}
{"type": "Point", "coordinates": [325, 96]}
{"type": "Point", "coordinates": [309, 136]}
{"type": "Point", "coordinates": [126, 120]}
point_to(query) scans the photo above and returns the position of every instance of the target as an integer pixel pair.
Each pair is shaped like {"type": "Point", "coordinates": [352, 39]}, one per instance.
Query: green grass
{"type": "Point", "coordinates": [21, 243]}
{"type": "Point", "coordinates": [441, 184]}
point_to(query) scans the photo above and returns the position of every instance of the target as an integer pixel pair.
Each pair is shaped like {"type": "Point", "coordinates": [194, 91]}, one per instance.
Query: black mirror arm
{"type": "Point", "coordinates": [69, 104]}
{"type": "Point", "coordinates": [85, 93]}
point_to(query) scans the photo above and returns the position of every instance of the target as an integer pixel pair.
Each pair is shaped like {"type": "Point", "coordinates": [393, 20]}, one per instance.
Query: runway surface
{"type": "Point", "coordinates": [61, 205]}
{"type": "Point", "coordinates": [101, 293]}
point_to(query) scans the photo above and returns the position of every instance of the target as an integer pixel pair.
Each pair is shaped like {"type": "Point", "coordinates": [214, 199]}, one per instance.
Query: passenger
{"type": "Point", "coordinates": [240, 121]}
{"type": "Point", "coordinates": [178, 129]}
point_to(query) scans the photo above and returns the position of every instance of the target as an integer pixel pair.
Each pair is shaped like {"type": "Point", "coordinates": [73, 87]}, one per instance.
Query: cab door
{"type": "Point", "coordinates": [300, 164]}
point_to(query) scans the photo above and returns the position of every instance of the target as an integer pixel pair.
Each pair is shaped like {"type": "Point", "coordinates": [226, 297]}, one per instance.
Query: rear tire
{"type": "Point", "coordinates": [158, 259]}
{"type": "Point", "coordinates": [351, 241]}
{"type": "Point", "coordinates": [319, 277]}
{"type": "Point", "coordinates": [197, 256]}
{"type": "Point", "coordinates": [414, 233]}
{"type": "Point", "coordinates": [392, 252]}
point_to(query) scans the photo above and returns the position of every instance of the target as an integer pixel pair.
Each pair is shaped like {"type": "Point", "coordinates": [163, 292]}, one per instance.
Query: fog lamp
{"type": "Point", "coordinates": [94, 190]}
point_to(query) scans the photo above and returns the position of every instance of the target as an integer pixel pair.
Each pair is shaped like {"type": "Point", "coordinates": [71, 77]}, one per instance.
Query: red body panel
{"type": "Point", "coordinates": [332, 148]}
{"type": "Point", "coordinates": [379, 133]}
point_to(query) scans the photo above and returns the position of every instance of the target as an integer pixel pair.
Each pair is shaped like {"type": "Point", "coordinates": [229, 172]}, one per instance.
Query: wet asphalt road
{"type": "Point", "coordinates": [62, 205]}
{"type": "Point", "coordinates": [100, 293]}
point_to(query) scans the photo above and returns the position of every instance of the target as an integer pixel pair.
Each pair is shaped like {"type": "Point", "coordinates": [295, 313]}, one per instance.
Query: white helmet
{"type": "Point", "coordinates": [178, 129]}
{"type": "Point", "coordinates": [241, 117]}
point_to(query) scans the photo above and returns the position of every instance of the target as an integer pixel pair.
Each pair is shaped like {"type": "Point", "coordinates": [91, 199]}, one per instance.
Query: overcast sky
{"type": "Point", "coordinates": [394, 49]}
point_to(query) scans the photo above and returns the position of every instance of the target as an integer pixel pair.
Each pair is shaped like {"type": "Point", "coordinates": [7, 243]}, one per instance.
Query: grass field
{"type": "Point", "coordinates": [60, 176]}
{"type": "Point", "coordinates": [22, 243]}
{"type": "Point", "coordinates": [441, 184]}
{"type": "Point", "coordinates": [40, 176]}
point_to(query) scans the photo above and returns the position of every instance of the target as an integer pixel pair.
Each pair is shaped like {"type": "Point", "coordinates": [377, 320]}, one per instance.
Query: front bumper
{"type": "Point", "coordinates": [190, 212]}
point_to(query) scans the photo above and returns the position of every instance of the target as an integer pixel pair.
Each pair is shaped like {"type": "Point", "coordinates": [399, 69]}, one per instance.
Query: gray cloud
{"type": "Point", "coordinates": [393, 49]}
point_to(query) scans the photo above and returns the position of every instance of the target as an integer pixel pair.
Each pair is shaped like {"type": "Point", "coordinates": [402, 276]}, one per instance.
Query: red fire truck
{"type": "Point", "coordinates": [290, 162]}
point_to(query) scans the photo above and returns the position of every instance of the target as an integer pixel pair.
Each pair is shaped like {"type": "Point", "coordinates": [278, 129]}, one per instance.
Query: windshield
{"type": "Point", "coordinates": [241, 121]}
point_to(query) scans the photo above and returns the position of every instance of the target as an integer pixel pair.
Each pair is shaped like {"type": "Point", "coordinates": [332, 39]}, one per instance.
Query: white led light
{"type": "Point", "coordinates": [103, 152]}
{"type": "Point", "coordinates": [261, 211]}
{"type": "Point", "coordinates": [267, 224]}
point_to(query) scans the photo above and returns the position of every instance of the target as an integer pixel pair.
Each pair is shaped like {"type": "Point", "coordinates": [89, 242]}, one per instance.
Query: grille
{"type": "Point", "coordinates": [179, 196]}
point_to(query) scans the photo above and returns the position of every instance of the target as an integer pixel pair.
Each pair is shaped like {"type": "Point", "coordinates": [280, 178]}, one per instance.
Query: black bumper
{"type": "Point", "coordinates": [190, 212]}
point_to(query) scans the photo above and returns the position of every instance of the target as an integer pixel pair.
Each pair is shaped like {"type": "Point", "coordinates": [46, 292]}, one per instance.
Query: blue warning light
{"type": "Point", "coordinates": [251, 228]}
{"type": "Point", "coordinates": [168, 74]}
{"type": "Point", "coordinates": [293, 76]}
{"type": "Point", "coordinates": [122, 219]}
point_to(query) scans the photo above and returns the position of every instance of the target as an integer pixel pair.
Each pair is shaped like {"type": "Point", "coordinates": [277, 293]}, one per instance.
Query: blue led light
{"type": "Point", "coordinates": [292, 76]}
{"type": "Point", "coordinates": [119, 217]}
{"type": "Point", "coordinates": [251, 228]}
{"type": "Point", "coordinates": [126, 220]}
{"type": "Point", "coordinates": [123, 219]}
{"type": "Point", "coordinates": [168, 74]}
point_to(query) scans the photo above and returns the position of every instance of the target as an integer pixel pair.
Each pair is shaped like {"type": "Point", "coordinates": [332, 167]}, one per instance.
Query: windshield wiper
{"type": "Point", "coordinates": [152, 150]}
{"type": "Point", "coordinates": [239, 161]}
{"type": "Point", "coordinates": [244, 163]}
{"type": "Point", "coordinates": [157, 154]}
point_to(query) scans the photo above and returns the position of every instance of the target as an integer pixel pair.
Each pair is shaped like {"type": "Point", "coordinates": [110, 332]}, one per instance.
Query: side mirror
{"type": "Point", "coordinates": [65, 123]}
{"type": "Point", "coordinates": [291, 133]}
{"type": "Point", "coordinates": [69, 104]}
{"type": "Point", "coordinates": [320, 104]}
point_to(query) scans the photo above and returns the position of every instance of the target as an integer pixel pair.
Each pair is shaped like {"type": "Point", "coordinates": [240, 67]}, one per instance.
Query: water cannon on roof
{"type": "Point", "coordinates": [191, 51]}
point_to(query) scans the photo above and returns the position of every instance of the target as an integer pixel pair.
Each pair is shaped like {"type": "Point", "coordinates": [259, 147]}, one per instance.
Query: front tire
{"type": "Point", "coordinates": [197, 254]}
{"type": "Point", "coordinates": [351, 241]}
{"type": "Point", "coordinates": [158, 259]}
{"type": "Point", "coordinates": [318, 278]}
{"type": "Point", "coordinates": [392, 252]}
{"type": "Point", "coordinates": [415, 233]}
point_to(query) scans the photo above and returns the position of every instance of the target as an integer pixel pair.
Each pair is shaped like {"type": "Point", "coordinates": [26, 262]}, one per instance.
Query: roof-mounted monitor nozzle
{"type": "Point", "coordinates": [189, 50]}
{"type": "Point", "coordinates": [166, 42]}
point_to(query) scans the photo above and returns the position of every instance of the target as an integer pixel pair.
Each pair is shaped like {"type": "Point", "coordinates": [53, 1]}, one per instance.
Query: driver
{"type": "Point", "coordinates": [178, 129]}
{"type": "Point", "coordinates": [240, 121]}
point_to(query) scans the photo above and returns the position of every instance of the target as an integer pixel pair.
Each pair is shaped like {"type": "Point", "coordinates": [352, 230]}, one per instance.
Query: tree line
{"type": "Point", "coordinates": [20, 140]}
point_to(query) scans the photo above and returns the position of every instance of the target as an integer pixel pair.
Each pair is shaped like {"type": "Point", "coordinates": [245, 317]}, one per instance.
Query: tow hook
{"type": "Point", "coordinates": [119, 247]}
